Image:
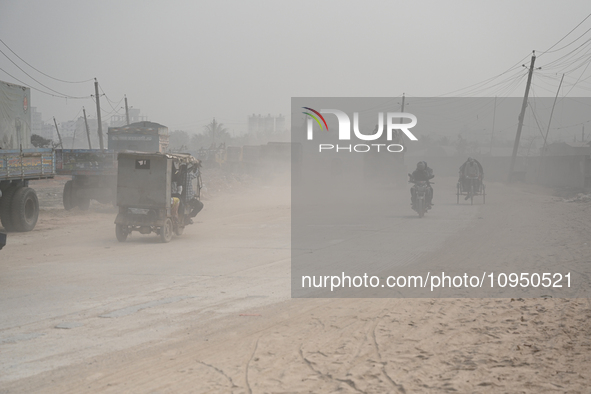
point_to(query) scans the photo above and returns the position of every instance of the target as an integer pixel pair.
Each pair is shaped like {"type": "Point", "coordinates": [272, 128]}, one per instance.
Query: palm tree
{"type": "Point", "coordinates": [215, 128]}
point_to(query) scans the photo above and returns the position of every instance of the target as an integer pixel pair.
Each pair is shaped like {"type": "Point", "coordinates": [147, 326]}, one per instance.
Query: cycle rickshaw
{"type": "Point", "coordinates": [471, 186]}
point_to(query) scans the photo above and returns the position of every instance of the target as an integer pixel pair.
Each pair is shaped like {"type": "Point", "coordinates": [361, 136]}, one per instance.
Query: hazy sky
{"type": "Point", "coordinates": [184, 62]}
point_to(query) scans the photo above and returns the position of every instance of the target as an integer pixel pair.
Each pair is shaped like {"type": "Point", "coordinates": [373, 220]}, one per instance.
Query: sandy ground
{"type": "Point", "coordinates": [211, 310]}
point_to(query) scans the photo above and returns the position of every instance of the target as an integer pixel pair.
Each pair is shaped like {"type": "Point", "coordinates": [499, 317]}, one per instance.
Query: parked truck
{"type": "Point", "coordinates": [94, 176]}
{"type": "Point", "coordinates": [94, 172]}
{"type": "Point", "coordinates": [19, 163]}
{"type": "Point", "coordinates": [139, 137]}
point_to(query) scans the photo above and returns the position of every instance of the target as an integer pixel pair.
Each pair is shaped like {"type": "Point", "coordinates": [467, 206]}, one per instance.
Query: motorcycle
{"type": "Point", "coordinates": [421, 206]}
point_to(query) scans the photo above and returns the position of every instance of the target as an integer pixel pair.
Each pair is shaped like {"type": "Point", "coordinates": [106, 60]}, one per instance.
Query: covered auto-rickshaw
{"type": "Point", "coordinates": [156, 192]}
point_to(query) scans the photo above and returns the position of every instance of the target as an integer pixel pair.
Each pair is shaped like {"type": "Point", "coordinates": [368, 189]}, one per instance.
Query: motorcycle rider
{"type": "Point", "coordinates": [471, 169]}
{"type": "Point", "coordinates": [422, 173]}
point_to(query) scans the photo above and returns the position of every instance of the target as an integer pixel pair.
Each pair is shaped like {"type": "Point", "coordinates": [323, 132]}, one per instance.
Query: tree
{"type": "Point", "coordinates": [179, 140]}
{"type": "Point", "coordinates": [443, 140]}
{"type": "Point", "coordinates": [199, 141]}
{"type": "Point", "coordinates": [217, 131]}
{"type": "Point", "coordinates": [39, 142]}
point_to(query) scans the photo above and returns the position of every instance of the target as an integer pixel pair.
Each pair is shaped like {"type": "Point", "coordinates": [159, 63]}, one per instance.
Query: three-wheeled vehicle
{"type": "Point", "coordinates": [156, 192]}
{"type": "Point", "coordinates": [470, 187]}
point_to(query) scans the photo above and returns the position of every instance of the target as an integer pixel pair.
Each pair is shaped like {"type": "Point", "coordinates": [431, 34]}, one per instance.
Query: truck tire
{"type": "Point", "coordinates": [166, 231]}
{"type": "Point", "coordinates": [68, 196]}
{"type": "Point", "coordinates": [25, 209]}
{"type": "Point", "coordinates": [6, 208]}
{"type": "Point", "coordinates": [121, 232]}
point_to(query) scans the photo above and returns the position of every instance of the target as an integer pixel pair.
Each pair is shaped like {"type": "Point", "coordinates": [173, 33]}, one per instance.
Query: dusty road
{"type": "Point", "coordinates": [211, 310]}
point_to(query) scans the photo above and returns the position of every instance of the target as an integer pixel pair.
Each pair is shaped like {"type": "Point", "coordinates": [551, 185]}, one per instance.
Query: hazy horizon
{"type": "Point", "coordinates": [183, 63]}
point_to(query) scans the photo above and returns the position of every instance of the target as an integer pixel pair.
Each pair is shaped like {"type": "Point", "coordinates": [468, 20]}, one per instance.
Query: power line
{"type": "Point", "coordinates": [536, 119]}
{"type": "Point", "coordinates": [570, 43]}
{"type": "Point", "coordinates": [39, 71]}
{"type": "Point", "coordinates": [45, 86]}
{"type": "Point", "coordinates": [111, 101]}
{"type": "Point", "coordinates": [39, 90]}
{"type": "Point", "coordinates": [508, 84]}
{"type": "Point", "coordinates": [577, 81]}
{"type": "Point", "coordinates": [567, 34]}
{"type": "Point", "coordinates": [489, 79]}
{"type": "Point", "coordinates": [564, 60]}
{"type": "Point", "coordinates": [114, 111]}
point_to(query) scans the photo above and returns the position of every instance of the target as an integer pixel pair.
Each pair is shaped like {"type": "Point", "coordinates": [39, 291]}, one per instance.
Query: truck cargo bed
{"type": "Point", "coordinates": [27, 164]}
{"type": "Point", "coordinates": [85, 162]}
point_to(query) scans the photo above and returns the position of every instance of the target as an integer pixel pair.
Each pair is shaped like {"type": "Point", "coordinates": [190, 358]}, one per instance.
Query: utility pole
{"type": "Point", "coordinates": [126, 111]}
{"type": "Point", "coordinates": [98, 114]}
{"type": "Point", "coordinates": [401, 108]}
{"type": "Point", "coordinates": [213, 130]}
{"type": "Point", "coordinates": [522, 115]}
{"type": "Point", "coordinates": [400, 140]}
{"type": "Point", "coordinates": [74, 137]}
{"type": "Point", "coordinates": [58, 133]}
{"type": "Point", "coordinates": [551, 113]}
{"type": "Point", "coordinates": [87, 131]}
{"type": "Point", "coordinates": [492, 133]}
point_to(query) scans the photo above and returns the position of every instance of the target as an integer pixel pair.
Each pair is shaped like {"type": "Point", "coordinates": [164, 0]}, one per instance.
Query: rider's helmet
{"type": "Point", "coordinates": [421, 165]}
{"type": "Point", "coordinates": [470, 160]}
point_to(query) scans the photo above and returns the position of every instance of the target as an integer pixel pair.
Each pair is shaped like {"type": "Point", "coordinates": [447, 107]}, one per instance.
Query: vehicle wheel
{"type": "Point", "coordinates": [121, 232]}
{"type": "Point", "coordinates": [178, 230]}
{"type": "Point", "coordinates": [458, 193]}
{"type": "Point", "coordinates": [166, 231]}
{"type": "Point", "coordinates": [6, 208]}
{"type": "Point", "coordinates": [472, 194]}
{"type": "Point", "coordinates": [483, 194]}
{"type": "Point", "coordinates": [68, 196]}
{"type": "Point", "coordinates": [25, 209]}
{"type": "Point", "coordinates": [421, 208]}
{"type": "Point", "coordinates": [83, 203]}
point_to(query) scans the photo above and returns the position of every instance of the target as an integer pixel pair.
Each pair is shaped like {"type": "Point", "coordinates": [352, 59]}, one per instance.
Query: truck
{"type": "Point", "coordinates": [139, 137]}
{"type": "Point", "coordinates": [19, 162]}
{"type": "Point", "coordinates": [94, 171]}
{"type": "Point", "coordinates": [94, 176]}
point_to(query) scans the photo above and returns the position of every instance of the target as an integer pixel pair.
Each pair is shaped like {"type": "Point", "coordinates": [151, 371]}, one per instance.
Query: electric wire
{"type": "Point", "coordinates": [572, 87]}
{"type": "Point", "coordinates": [45, 86]}
{"type": "Point", "coordinates": [109, 101]}
{"type": "Point", "coordinates": [38, 90]}
{"type": "Point", "coordinates": [41, 72]}
{"type": "Point", "coordinates": [567, 34]}
{"type": "Point", "coordinates": [569, 44]}
{"type": "Point", "coordinates": [562, 61]}
{"type": "Point", "coordinates": [516, 65]}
